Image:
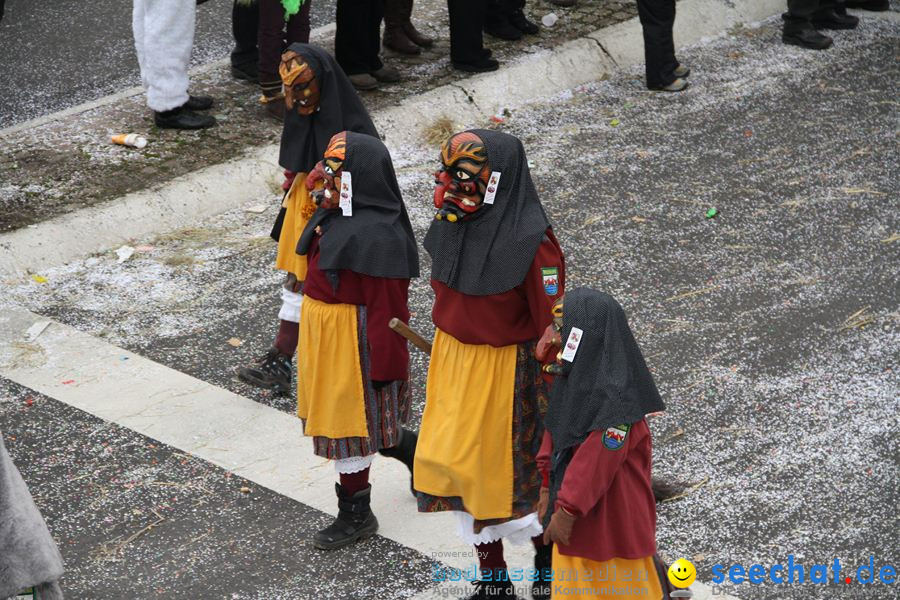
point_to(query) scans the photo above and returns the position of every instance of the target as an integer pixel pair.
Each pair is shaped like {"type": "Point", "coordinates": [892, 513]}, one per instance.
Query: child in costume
{"type": "Point", "coordinates": [320, 103]}
{"type": "Point", "coordinates": [353, 388]}
{"type": "Point", "coordinates": [496, 271]}
{"type": "Point", "coordinates": [597, 503]}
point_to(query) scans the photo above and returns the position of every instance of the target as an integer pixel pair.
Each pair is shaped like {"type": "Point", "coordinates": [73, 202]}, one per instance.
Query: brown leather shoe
{"type": "Point", "coordinates": [411, 32]}
{"type": "Point", "coordinates": [395, 36]}
{"type": "Point", "coordinates": [363, 81]}
{"type": "Point", "coordinates": [386, 74]}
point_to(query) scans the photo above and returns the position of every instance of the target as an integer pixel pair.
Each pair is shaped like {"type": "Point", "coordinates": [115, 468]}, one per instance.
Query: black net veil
{"type": "Point", "coordinates": [378, 239]}
{"type": "Point", "coordinates": [491, 252]}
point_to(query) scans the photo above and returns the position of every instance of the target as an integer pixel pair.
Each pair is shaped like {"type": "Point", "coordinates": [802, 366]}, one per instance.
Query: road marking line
{"type": "Point", "coordinates": [256, 442]}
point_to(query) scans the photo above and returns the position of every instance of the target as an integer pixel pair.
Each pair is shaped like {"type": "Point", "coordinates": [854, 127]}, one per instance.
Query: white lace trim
{"type": "Point", "coordinates": [518, 531]}
{"type": "Point", "coordinates": [290, 306]}
{"type": "Point", "coordinates": [354, 464]}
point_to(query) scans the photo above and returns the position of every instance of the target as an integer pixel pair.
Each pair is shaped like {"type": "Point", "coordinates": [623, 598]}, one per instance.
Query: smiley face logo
{"type": "Point", "coordinates": [682, 573]}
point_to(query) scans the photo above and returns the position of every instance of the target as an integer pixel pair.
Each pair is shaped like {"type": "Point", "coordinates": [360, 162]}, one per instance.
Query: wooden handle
{"type": "Point", "coordinates": [404, 330]}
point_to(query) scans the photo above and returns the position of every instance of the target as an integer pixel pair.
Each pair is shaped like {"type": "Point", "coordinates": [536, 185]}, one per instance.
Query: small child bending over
{"type": "Point", "coordinates": [597, 502]}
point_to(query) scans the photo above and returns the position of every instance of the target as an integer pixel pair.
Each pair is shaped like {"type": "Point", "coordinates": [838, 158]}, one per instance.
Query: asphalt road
{"type": "Point", "coordinates": [772, 328]}
{"type": "Point", "coordinates": [55, 54]}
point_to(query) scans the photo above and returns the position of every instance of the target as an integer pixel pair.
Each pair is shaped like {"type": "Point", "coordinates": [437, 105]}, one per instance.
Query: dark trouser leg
{"type": "Point", "coordinates": [357, 39]}
{"type": "Point", "coordinates": [800, 13]}
{"type": "Point", "coordinates": [271, 39]}
{"type": "Point", "coordinates": [298, 26]}
{"type": "Point", "coordinates": [244, 26]}
{"type": "Point", "coordinates": [657, 19]}
{"type": "Point", "coordinates": [466, 24]}
{"type": "Point", "coordinates": [373, 34]}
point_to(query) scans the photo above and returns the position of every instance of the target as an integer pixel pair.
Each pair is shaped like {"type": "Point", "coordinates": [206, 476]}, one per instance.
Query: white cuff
{"type": "Point", "coordinates": [517, 531]}
{"type": "Point", "coordinates": [354, 464]}
{"type": "Point", "coordinates": [290, 306]}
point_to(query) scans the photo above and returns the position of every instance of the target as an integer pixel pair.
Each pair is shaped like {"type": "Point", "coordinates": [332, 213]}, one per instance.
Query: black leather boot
{"type": "Point", "coordinates": [492, 590]}
{"type": "Point", "coordinates": [354, 521]}
{"type": "Point", "coordinates": [522, 23]}
{"type": "Point", "coordinates": [182, 118]}
{"type": "Point", "coordinates": [805, 37]}
{"type": "Point", "coordinates": [834, 20]}
{"type": "Point", "coordinates": [405, 452]}
{"type": "Point", "coordinates": [540, 589]}
{"type": "Point", "coordinates": [272, 371]}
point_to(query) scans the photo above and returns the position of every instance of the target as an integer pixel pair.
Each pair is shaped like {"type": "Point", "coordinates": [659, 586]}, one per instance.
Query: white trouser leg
{"type": "Point", "coordinates": [163, 38]}
{"type": "Point", "coordinates": [290, 306]}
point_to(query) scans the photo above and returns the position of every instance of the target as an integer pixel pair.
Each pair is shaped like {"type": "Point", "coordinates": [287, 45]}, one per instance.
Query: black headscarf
{"type": "Point", "coordinates": [305, 138]}
{"type": "Point", "coordinates": [378, 238]}
{"type": "Point", "coordinates": [607, 384]}
{"type": "Point", "coordinates": [491, 252]}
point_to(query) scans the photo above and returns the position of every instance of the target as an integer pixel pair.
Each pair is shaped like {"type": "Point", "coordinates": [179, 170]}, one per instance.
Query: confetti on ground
{"type": "Point", "coordinates": [124, 253]}
{"type": "Point", "coordinates": [35, 330]}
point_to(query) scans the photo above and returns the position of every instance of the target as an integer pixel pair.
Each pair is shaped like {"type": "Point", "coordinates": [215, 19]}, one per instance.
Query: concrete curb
{"type": "Point", "coordinates": [222, 187]}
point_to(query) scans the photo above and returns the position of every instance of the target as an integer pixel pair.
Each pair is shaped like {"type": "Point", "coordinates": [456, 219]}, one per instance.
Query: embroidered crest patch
{"type": "Point", "coordinates": [614, 437]}
{"type": "Point", "coordinates": [551, 280]}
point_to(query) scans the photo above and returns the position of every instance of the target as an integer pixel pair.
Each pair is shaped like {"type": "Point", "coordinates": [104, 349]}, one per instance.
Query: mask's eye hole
{"type": "Point", "coordinates": [462, 175]}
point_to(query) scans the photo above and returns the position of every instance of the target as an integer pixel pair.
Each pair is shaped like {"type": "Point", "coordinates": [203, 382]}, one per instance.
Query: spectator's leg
{"type": "Point", "coordinates": [657, 19]}
{"type": "Point", "coordinates": [373, 34]}
{"type": "Point", "coordinates": [351, 44]}
{"type": "Point", "coordinates": [244, 28]}
{"type": "Point", "coordinates": [271, 27]}
{"type": "Point", "coordinates": [466, 25]}
{"type": "Point", "coordinates": [168, 36]}
{"type": "Point", "coordinates": [298, 26]}
{"type": "Point", "coordinates": [137, 30]}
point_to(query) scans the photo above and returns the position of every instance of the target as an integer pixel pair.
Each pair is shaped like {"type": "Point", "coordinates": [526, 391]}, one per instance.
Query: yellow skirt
{"type": "Point", "coordinates": [465, 442]}
{"type": "Point", "coordinates": [576, 577]}
{"type": "Point", "coordinates": [330, 396]}
{"type": "Point", "coordinates": [299, 207]}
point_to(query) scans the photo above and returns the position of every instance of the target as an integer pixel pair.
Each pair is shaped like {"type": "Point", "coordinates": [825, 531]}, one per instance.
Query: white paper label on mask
{"type": "Point", "coordinates": [346, 202]}
{"type": "Point", "coordinates": [493, 184]}
{"type": "Point", "coordinates": [571, 348]}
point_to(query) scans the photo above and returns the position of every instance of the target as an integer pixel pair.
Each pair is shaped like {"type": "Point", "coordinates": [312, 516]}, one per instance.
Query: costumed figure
{"type": "Point", "coordinates": [29, 557]}
{"type": "Point", "coordinates": [597, 500]}
{"type": "Point", "coordinates": [320, 103]}
{"type": "Point", "coordinates": [353, 388]}
{"type": "Point", "coordinates": [496, 271]}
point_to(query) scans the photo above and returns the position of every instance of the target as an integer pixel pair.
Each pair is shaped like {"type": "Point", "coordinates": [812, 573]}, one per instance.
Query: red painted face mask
{"type": "Point", "coordinates": [324, 181]}
{"type": "Point", "coordinates": [551, 341]}
{"type": "Point", "coordinates": [460, 185]}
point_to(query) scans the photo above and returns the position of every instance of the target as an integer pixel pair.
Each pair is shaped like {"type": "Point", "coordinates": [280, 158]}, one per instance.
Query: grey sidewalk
{"type": "Point", "coordinates": [66, 164]}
